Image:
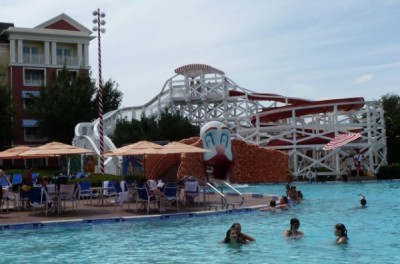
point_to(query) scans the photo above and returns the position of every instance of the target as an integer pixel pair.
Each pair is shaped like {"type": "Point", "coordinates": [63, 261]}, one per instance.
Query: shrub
{"type": "Point", "coordinates": [391, 171]}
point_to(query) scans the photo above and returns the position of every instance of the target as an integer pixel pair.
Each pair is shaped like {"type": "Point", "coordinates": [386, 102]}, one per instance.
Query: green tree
{"type": "Point", "coordinates": [181, 128]}
{"type": "Point", "coordinates": [391, 107]}
{"type": "Point", "coordinates": [170, 127]}
{"type": "Point", "coordinates": [5, 117]}
{"type": "Point", "coordinates": [112, 98]}
{"type": "Point", "coordinates": [62, 104]}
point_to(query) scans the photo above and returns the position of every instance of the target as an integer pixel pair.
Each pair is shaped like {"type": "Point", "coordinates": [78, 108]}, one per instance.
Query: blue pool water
{"type": "Point", "coordinates": [374, 233]}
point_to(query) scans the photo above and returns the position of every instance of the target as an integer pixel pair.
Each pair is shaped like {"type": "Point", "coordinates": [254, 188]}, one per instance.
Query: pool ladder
{"type": "Point", "coordinates": [225, 203]}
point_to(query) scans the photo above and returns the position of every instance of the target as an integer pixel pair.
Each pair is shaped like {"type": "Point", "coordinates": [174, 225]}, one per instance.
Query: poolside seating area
{"type": "Point", "coordinates": [116, 199]}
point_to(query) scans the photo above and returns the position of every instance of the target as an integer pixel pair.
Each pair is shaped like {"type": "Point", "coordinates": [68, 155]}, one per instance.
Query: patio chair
{"type": "Point", "coordinates": [192, 190]}
{"type": "Point", "coordinates": [17, 179]}
{"type": "Point", "coordinates": [39, 199]}
{"type": "Point", "coordinates": [144, 198]}
{"type": "Point", "coordinates": [85, 191]}
{"type": "Point", "coordinates": [35, 176]}
{"type": "Point", "coordinates": [4, 182]}
{"type": "Point", "coordinates": [171, 195]}
{"type": "Point", "coordinates": [69, 193]}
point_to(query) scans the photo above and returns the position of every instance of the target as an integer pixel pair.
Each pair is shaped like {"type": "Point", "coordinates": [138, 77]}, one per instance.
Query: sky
{"type": "Point", "coordinates": [315, 49]}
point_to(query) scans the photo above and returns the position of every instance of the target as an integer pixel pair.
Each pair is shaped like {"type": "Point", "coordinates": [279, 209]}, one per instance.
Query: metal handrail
{"type": "Point", "coordinates": [237, 192]}
{"type": "Point", "coordinates": [223, 198]}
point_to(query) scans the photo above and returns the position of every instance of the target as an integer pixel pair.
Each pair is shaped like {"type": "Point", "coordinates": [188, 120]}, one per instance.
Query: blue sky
{"type": "Point", "coordinates": [308, 49]}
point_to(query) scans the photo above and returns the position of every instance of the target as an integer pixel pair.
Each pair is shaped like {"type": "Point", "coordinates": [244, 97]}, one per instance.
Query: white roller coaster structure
{"type": "Point", "coordinates": [298, 126]}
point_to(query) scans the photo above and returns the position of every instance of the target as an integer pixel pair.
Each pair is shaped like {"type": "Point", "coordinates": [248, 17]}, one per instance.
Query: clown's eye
{"type": "Point", "coordinates": [209, 141]}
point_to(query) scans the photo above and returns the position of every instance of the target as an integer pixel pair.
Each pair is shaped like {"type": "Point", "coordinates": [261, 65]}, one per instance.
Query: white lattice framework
{"type": "Point", "coordinates": [298, 126]}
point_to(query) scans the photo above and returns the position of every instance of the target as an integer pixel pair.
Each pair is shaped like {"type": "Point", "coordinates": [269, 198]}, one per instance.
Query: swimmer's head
{"type": "Point", "coordinates": [294, 223]}
{"type": "Point", "coordinates": [363, 202]}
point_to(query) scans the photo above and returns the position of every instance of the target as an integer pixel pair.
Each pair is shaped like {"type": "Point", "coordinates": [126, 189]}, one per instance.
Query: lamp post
{"type": "Point", "coordinates": [99, 27]}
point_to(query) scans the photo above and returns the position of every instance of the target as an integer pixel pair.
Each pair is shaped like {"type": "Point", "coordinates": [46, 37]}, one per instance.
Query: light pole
{"type": "Point", "coordinates": [99, 22]}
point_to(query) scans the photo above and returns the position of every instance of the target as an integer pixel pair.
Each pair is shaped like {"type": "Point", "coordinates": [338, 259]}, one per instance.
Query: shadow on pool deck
{"type": "Point", "coordinates": [94, 211]}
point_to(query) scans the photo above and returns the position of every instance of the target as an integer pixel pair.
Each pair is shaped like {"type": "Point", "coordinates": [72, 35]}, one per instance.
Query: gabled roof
{"type": "Point", "coordinates": [4, 26]}
{"type": "Point", "coordinates": [64, 22]}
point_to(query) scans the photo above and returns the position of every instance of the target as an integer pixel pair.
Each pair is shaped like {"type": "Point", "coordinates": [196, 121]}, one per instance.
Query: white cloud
{"type": "Point", "coordinates": [364, 78]}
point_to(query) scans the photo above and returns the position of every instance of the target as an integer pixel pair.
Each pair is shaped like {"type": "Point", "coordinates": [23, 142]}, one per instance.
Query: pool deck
{"type": "Point", "coordinates": [95, 211]}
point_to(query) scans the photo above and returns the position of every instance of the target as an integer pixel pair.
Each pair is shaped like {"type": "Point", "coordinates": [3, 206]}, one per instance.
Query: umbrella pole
{"type": "Point", "coordinates": [68, 164]}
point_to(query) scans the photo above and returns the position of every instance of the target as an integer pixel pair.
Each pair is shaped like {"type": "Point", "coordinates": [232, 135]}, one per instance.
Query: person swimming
{"type": "Point", "coordinates": [242, 237]}
{"type": "Point", "coordinates": [363, 201]}
{"type": "Point", "coordinates": [294, 229]}
{"type": "Point", "coordinates": [341, 232]}
{"type": "Point", "coordinates": [272, 206]}
{"type": "Point", "coordinates": [231, 237]}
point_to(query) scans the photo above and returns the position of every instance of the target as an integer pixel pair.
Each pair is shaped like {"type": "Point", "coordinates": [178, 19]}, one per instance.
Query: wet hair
{"type": "Point", "coordinates": [234, 225]}
{"type": "Point", "coordinates": [363, 201]}
{"type": "Point", "coordinates": [272, 203]}
{"type": "Point", "coordinates": [300, 194]}
{"type": "Point", "coordinates": [228, 235]}
{"type": "Point", "coordinates": [342, 228]}
{"type": "Point", "coordinates": [285, 199]}
{"type": "Point", "coordinates": [294, 222]}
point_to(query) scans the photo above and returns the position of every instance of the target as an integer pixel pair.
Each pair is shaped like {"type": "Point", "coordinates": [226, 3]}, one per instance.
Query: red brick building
{"type": "Point", "coordinates": [31, 57]}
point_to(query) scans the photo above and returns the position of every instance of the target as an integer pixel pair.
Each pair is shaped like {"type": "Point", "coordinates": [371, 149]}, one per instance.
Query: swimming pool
{"type": "Point", "coordinates": [373, 232]}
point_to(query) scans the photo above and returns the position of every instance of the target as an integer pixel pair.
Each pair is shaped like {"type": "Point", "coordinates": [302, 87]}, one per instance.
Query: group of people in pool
{"type": "Point", "coordinates": [234, 234]}
{"type": "Point", "coordinates": [295, 197]}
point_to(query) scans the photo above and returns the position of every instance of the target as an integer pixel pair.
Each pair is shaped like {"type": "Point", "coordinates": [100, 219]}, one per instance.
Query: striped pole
{"type": "Point", "coordinates": [100, 91]}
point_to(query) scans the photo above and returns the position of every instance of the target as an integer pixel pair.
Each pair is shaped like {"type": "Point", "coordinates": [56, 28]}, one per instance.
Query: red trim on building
{"type": "Point", "coordinates": [62, 25]}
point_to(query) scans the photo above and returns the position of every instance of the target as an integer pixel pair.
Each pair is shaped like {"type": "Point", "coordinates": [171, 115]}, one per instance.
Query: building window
{"type": "Point", "coordinates": [64, 56]}
{"type": "Point", "coordinates": [32, 55]}
{"type": "Point", "coordinates": [34, 77]}
{"type": "Point", "coordinates": [31, 131]}
{"type": "Point", "coordinates": [72, 74]}
{"type": "Point", "coordinates": [27, 98]}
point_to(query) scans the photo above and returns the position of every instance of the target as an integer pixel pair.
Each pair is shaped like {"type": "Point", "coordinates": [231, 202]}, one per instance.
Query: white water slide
{"type": "Point", "coordinates": [297, 126]}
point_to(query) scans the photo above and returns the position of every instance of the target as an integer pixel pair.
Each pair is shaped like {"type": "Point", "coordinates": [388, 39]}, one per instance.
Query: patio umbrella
{"type": "Point", "coordinates": [54, 149]}
{"type": "Point", "coordinates": [12, 153]}
{"type": "Point", "coordinates": [178, 148]}
{"type": "Point", "coordinates": [138, 148]}
{"type": "Point", "coordinates": [340, 140]}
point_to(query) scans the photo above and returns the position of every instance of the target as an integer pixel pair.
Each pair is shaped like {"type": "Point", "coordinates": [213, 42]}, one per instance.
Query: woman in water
{"type": "Point", "coordinates": [341, 232]}
{"type": "Point", "coordinates": [294, 229]}
{"type": "Point", "coordinates": [242, 237]}
{"type": "Point", "coordinates": [231, 237]}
